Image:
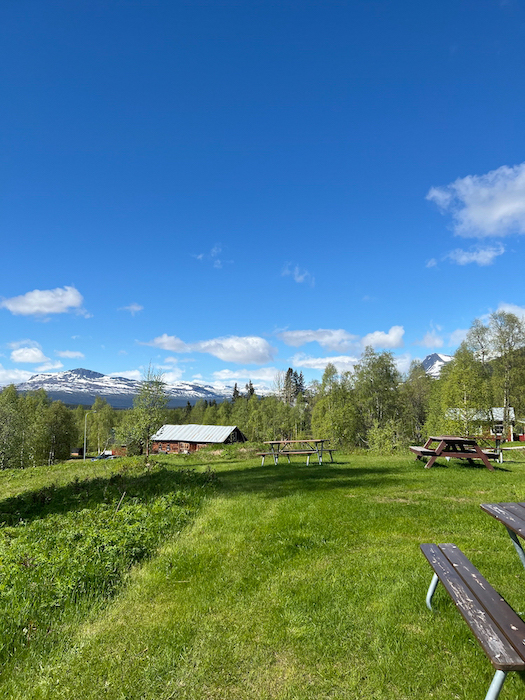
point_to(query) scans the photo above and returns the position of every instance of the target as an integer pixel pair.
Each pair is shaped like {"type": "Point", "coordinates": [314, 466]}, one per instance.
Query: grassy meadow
{"type": "Point", "coordinates": [211, 577]}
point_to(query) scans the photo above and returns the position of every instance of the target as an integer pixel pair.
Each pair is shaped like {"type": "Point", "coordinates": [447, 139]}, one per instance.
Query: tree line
{"type": "Point", "coordinates": [373, 406]}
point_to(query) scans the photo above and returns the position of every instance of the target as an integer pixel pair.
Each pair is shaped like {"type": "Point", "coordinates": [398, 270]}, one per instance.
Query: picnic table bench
{"type": "Point", "coordinates": [307, 447]}
{"type": "Point", "coordinates": [457, 447]}
{"type": "Point", "coordinates": [499, 630]}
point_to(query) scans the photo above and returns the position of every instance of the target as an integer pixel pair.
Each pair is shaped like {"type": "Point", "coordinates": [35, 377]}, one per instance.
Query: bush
{"type": "Point", "coordinates": [385, 439]}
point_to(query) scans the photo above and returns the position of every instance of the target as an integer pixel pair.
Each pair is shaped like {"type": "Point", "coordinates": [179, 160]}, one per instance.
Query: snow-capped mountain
{"type": "Point", "coordinates": [433, 364]}
{"type": "Point", "coordinates": [82, 386]}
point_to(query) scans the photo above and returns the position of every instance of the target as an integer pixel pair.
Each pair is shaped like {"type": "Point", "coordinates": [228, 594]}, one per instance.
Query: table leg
{"type": "Point", "coordinates": [484, 458]}
{"type": "Point", "coordinates": [431, 461]}
{"type": "Point", "coordinates": [496, 685]}
{"type": "Point", "coordinates": [517, 545]}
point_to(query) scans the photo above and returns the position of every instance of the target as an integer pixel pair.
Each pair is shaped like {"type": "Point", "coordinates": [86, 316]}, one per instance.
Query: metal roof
{"type": "Point", "coordinates": [194, 433]}
{"type": "Point", "coordinates": [498, 414]}
{"type": "Point", "coordinates": [484, 416]}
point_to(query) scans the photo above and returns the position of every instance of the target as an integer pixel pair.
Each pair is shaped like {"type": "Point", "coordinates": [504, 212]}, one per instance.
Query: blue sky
{"type": "Point", "coordinates": [225, 189]}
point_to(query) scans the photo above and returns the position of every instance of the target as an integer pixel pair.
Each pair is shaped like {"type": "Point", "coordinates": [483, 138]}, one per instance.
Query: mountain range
{"type": "Point", "coordinates": [82, 386]}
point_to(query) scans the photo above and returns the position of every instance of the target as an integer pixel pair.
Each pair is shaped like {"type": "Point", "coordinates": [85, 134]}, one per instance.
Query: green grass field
{"type": "Point", "coordinates": [284, 582]}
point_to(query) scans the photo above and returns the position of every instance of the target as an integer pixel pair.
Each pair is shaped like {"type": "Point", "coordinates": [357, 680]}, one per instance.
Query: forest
{"type": "Point", "coordinates": [372, 407]}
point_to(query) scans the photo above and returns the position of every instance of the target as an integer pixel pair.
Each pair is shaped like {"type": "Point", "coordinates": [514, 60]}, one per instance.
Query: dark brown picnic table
{"type": "Point", "coordinates": [456, 447]}
{"type": "Point", "coordinates": [307, 447]}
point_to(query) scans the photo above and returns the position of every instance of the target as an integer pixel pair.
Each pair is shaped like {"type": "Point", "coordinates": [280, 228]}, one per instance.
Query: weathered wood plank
{"type": "Point", "coordinates": [497, 607]}
{"type": "Point", "coordinates": [499, 649]}
{"type": "Point", "coordinates": [500, 511]}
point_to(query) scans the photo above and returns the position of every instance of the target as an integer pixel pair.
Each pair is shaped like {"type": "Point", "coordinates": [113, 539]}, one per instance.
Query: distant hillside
{"type": "Point", "coordinates": [82, 386]}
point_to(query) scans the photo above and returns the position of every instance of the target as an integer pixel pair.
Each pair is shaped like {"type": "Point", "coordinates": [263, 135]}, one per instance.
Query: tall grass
{"type": "Point", "coordinates": [295, 582]}
{"type": "Point", "coordinates": [66, 548]}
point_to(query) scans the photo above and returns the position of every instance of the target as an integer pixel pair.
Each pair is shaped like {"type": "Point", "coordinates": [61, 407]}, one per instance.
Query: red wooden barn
{"type": "Point", "coordinates": [183, 439]}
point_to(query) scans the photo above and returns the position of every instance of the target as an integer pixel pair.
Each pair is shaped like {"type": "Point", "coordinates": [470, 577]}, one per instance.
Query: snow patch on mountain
{"type": "Point", "coordinates": [434, 363]}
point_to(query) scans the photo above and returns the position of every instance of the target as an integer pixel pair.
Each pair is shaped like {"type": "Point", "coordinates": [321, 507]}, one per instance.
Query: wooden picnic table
{"type": "Point", "coordinates": [496, 626]}
{"type": "Point", "coordinates": [512, 516]}
{"type": "Point", "coordinates": [307, 447]}
{"type": "Point", "coordinates": [456, 447]}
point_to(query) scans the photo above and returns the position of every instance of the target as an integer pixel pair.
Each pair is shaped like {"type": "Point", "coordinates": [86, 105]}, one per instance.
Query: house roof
{"type": "Point", "coordinates": [484, 416]}
{"type": "Point", "coordinates": [498, 414]}
{"type": "Point", "coordinates": [194, 433]}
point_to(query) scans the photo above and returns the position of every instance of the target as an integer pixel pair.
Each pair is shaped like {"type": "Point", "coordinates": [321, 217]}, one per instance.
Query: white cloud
{"type": "Point", "coordinates": [26, 343]}
{"type": "Point", "coordinates": [30, 352]}
{"type": "Point", "coordinates": [266, 374]}
{"type": "Point", "coordinates": [250, 349]}
{"type": "Point", "coordinates": [518, 311]}
{"type": "Point", "coordinates": [298, 274]}
{"type": "Point", "coordinates": [481, 256]}
{"type": "Point", "coordinates": [485, 205]}
{"type": "Point", "coordinates": [132, 308]}
{"type": "Point", "coordinates": [47, 366]}
{"type": "Point", "coordinates": [31, 355]}
{"type": "Point", "coordinates": [343, 363]}
{"type": "Point", "coordinates": [128, 374]}
{"type": "Point", "coordinates": [43, 302]}
{"type": "Point", "coordinates": [342, 341]}
{"type": "Point", "coordinates": [402, 362]}
{"type": "Point", "coordinates": [213, 257]}
{"type": "Point", "coordinates": [172, 376]}
{"type": "Point", "coordinates": [169, 342]}
{"type": "Point", "coordinates": [327, 338]}
{"type": "Point", "coordinates": [432, 262]}
{"type": "Point", "coordinates": [380, 339]}
{"type": "Point", "coordinates": [13, 376]}
{"type": "Point", "coordinates": [247, 349]}
{"type": "Point", "coordinates": [458, 336]}
{"type": "Point", "coordinates": [70, 354]}
{"type": "Point", "coordinates": [431, 340]}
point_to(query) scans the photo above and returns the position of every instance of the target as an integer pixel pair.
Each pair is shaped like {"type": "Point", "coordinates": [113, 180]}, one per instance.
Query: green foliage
{"type": "Point", "coordinates": [101, 423]}
{"type": "Point", "coordinates": [61, 546]}
{"type": "Point", "coordinates": [414, 398]}
{"type": "Point", "coordinates": [334, 415]}
{"type": "Point", "coordinates": [10, 428]}
{"type": "Point", "coordinates": [34, 431]}
{"type": "Point", "coordinates": [460, 397]}
{"type": "Point", "coordinates": [147, 414]}
{"type": "Point", "coordinates": [376, 387]}
{"type": "Point", "coordinates": [349, 406]}
{"type": "Point", "coordinates": [384, 438]}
